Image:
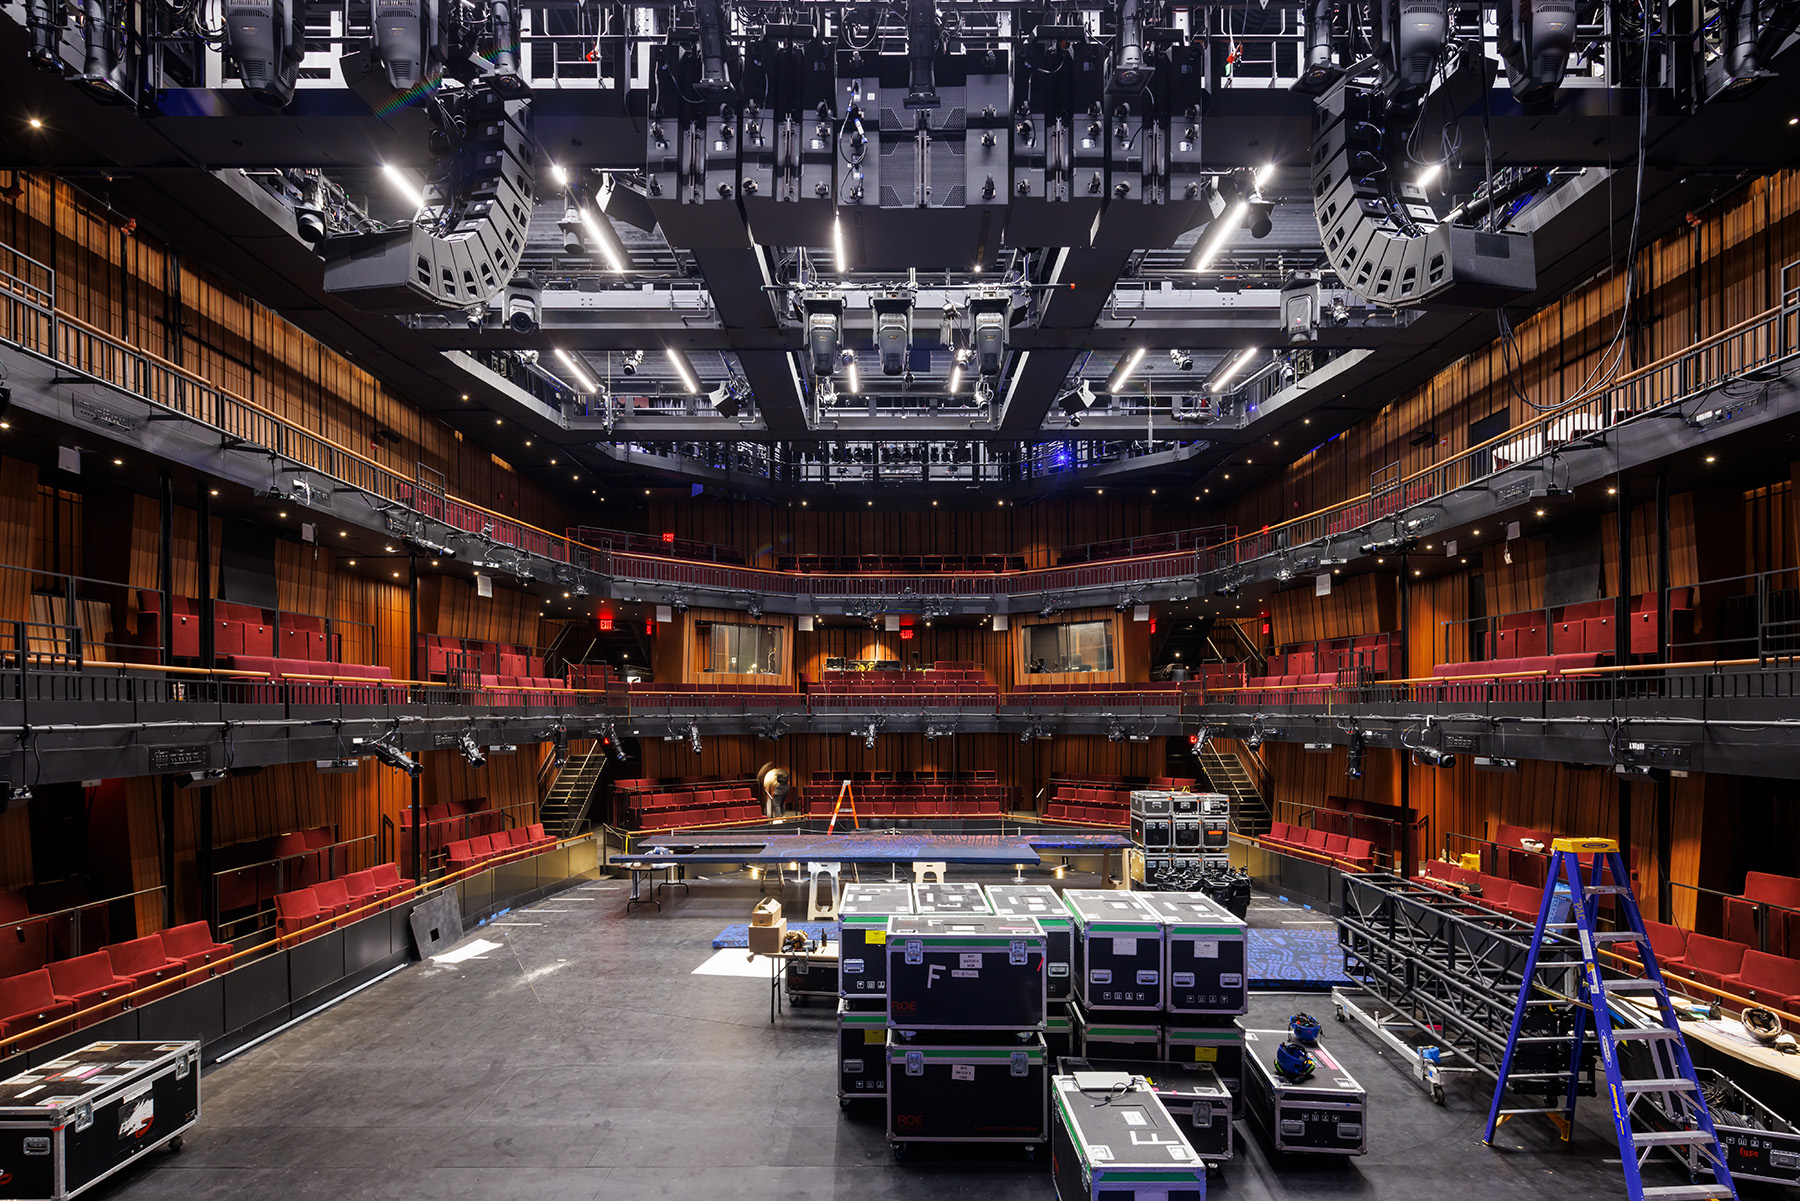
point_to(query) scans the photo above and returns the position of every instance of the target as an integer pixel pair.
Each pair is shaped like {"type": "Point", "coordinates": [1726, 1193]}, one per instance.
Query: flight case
{"type": "Point", "coordinates": [1190, 1092]}
{"type": "Point", "coordinates": [965, 973]}
{"type": "Point", "coordinates": [943, 1088]}
{"type": "Point", "coordinates": [1107, 1035]}
{"type": "Point", "coordinates": [1203, 958]}
{"type": "Point", "coordinates": [1118, 950]}
{"type": "Point", "coordinates": [1220, 1044]}
{"type": "Point", "coordinates": [1040, 901]}
{"type": "Point", "coordinates": [68, 1124]}
{"type": "Point", "coordinates": [862, 921]}
{"type": "Point", "coordinates": [1112, 1140]}
{"type": "Point", "coordinates": [950, 898]}
{"type": "Point", "coordinates": [862, 1049]}
{"type": "Point", "coordinates": [1326, 1114]}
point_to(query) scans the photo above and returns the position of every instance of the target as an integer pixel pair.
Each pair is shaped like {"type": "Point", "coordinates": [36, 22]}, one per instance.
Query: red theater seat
{"type": "Point", "coordinates": [192, 946]}
{"type": "Point", "coordinates": [297, 910]}
{"type": "Point", "coordinates": [144, 962]}
{"type": "Point", "coordinates": [333, 897]}
{"type": "Point", "coordinates": [362, 889]}
{"type": "Point", "coordinates": [90, 983]}
{"type": "Point", "coordinates": [387, 876]}
{"type": "Point", "coordinates": [28, 1001]}
{"type": "Point", "coordinates": [1771, 980]}
{"type": "Point", "coordinates": [1765, 888]}
{"type": "Point", "coordinates": [1711, 960]}
{"type": "Point", "coordinates": [462, 855]}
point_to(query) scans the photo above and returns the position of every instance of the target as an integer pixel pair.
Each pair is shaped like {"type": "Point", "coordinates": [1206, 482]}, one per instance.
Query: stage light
{"type": "Point", "coordinates": [1182, 360]}
{"type": "Point", "coordinates": [1237, 365]}
{"type": "Point", "coordinates": [401, 183]}
{"type": "Point", "coordinates": [1259, 217]}
{"type": "Point", "coordinates": [582, 379]}
{"type": "Point", "coordinates": [1216, 236]}
{"type": "Point", "coordinates": [632, 362]}
{"type": "Point", "coordinates": [824, 330]}
{"type": "Point", "coordinates": [466, 744]}
{"type": "Point", "coordinates": [1123, 372]}
{"type": "Point", "coordinates": [560, 174]}
{"type": "Point", "coordinates": [606, 238]}
{"type": "Point", "coordinates": [693, 734]}
{"type": "Point", "coordinates": [1429, 175]}
{"type": "Point", "coordinates": [991, 314]}
{"type": "Point", "coordinates": [679, 361]}
{"type": "Point", "coordinates": [520, 304]}
{"type": "Point", "coordinates": [394, 757]}
{"type": "Point", "coordinates": [893, 330]}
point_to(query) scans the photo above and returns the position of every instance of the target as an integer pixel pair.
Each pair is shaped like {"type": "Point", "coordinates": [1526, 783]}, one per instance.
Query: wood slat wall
{"type": "Point", "coordinates": [1025, 766]}
{"type": "Point", "coordinates": [132, 287]}
{"type": "Point", "coordinates": [1698, 282]}
{"type": "Point", "coordinates": [451, 606]}
{"type": "Point", "coordinates": [983, 645]}
{"type": "Point", "coordinates": [1360, 605]}
{"type": "Point", "coordinates": [18, 525]}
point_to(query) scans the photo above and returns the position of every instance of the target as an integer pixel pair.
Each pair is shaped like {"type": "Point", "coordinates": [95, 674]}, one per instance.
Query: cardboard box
{"type": "Point", "coordinates": [766, 913]}
{"type": "Point", "coordinates": [766, 940]}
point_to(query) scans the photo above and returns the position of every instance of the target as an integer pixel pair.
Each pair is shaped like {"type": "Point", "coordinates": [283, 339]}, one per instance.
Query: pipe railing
{"type": "Point", "coordinates": [68, 922]}
{"type": "Point", "coordinates": [267, 877]}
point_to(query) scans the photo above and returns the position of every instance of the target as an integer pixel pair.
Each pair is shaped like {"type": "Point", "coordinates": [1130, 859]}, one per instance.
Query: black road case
{"type": "Point", "coordinates": [1042, 902]}
{"type": "Point", "coordinates": [1324, 1114]}
{"type": "Point", "coordinates": [965, 973]}
{"type": "Point", "coordinates": [951, 1091]}
{"type": "Point", "coordinates": [1113, 1141]}
{"type": "Point", "coordinates": [1108, 1035]}
{"type": "Point", "coordinates": [1190, 1092]}
{"type": "Point", "coordinates": [1203, 954]}
{"type": "Point", "coordinates": [1059, 1028]}
{"type": "Point", "coordinates": [69, 1124]}
{"type": "Point", "coordinates": [1217, 1044]}
{"type": "Point", "coordinates": [1118, 950]}
{"type": "Point", "coordinates": [1759, 1143]}
{"type": "Point", "coordinates": [862, 1049]}
{"type": "Point", "coordinates": [812, 975]}
{"type": "Point", "coordinates": [956, 898]}
{"type": "Point", "coordinates": [862, 923]}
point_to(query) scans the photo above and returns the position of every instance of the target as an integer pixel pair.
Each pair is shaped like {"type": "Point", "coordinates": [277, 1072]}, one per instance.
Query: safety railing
{"type": "Point", "coordinates": [1757, 342]}
{"type": "Point", "coordinates": [73, 930]}
{"type": "Point", "coordinates": [1384, 834]}
{"type": "Point", "coordinates": [247, 891]}
{"type": "Point", "coordinates": [1147, 544]}
{"type": "Point", "coordinates": [1761, 925]}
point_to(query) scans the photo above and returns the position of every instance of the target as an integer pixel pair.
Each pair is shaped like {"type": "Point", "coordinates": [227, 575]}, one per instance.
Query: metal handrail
{"type": "Point", "coordinates": [18, 925]}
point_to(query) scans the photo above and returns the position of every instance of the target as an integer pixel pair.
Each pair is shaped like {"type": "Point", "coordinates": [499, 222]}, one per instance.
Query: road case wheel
{"type": "Point", "coordinates": [175, 1144]}
{"type": "Point", "coordinates": [899, 1151]}
{"type": "Point", "coordinates": [1437, 1093]}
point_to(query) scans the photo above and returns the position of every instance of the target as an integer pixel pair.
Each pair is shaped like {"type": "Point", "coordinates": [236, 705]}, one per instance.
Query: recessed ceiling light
{"type": "Point", "coordinates": [465, 396]}
{"type": "Point", "coordinates": [497, 421]}
{"type": "Point", "coordinates": [396, 575]}
{"type": "Point", "coordinates": [352, 562]}
{"type": "Point", "coordinates": [1306, 421]}
{"type": "Point", "coordinates": [1791, 121]}
{"type": "Point", "coordinates": [284, 514]}
{"type": "Point", "coordinates": [36, 123]}
{"type": "Point", "coordinates": [121, 462]}
{"type": "Point", "coordinates": [434, 562]}
{"type": "Point", "coordinates": [1227, 475]}
{"type": "Point", "coordinates": [215, 492]}
{"type": "Point", "coordinates": [1415, 571]}
{"type": "Point", "coordinates": [1612, 491]}
{"type": "Point", "coordinates": [1540, 512]}
{"type": "Point", "coordinates": [389, 549]}
{"type": "Point", "coordinates": [1709, 459]}
{"type": "Point", "coordinates": [1477, 533]}
{"type": "Point", "coordinates": [343, 533]}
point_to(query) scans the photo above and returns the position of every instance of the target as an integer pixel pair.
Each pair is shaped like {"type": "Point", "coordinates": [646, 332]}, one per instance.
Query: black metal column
{"type": "Point", "coordinates": [203, 863]}
{"type": "Point", "coordinates": [1624, 831]}
{"type": "Point", "coordinates": [165, 565]}
{"type": "Point", "coordinates": [1665, 850]}
{"type": "Point", "coordinates": [1406, 823]}
{"type": "Point", "coordinates": [1622, 598]}
{"type": "Point", "coordinates": [1663, 609]}
{"type": "Point", "coordinates": [204, 552]}
{"type": "Point", "coordinates": [167, 833]}
{"type": "Point", "coordinates": [412, 673]}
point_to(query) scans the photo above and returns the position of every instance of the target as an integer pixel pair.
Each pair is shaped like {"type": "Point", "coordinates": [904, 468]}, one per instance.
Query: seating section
{"type": "Point", "coordinates": [447, 822]}
{"type": "Point", "coordinates": [1099, 800]}
{"type": "Point", "coordinates": [145, 963]}
{"type": "Point", "coordinates": [1744, 915]}
{"type": "Point", "coordinates": [1148, 544]}
{"type": "Point", "coordinates": [1322, 846]}
{"type": "Point", "coordinates": [303, 682]}
{"type": "Point", "coordinates": [28, 1001]}
{"type": "Point", "coordinates": [1710, 960]}
{"type": "Point", "coordinates": [253, 871]}
{"type": "Point", "coordinates": [944, 684]}
{"type": "Point", "coordinates": [237, 630]}
{"type": "Point", "coordinates": [1770, 980]}
{"type": "Point", "coordinates": [899, 564]}
{"type": "Point", "coordinates": [488, 850]}
{"type": "Point", "coordinates": [440, 655]}
{"type": "Point", "coordinates": [192, 946]}
{"type": "Point", "coordinates": [90, 982]}
{"type": "Point", "coordinates": [296, 912]}
{"type": "Point", "coordinates": [1366, 655]}
{"type": "Point", "coordinates": [912, 794]}
{"type": "Point", "coordinates": [1549, 642]}
{"type": "Point", "coordinates": [697, 801]}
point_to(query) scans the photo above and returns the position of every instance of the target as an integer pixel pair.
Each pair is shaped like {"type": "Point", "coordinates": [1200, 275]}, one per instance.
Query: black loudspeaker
{"type": "Point", "coordinates": [1382, 236]}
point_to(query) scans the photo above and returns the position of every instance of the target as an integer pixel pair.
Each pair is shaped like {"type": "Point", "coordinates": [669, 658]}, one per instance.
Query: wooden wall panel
{"type": "Point", "coordinates": [18, 529]}
{"type": "Point", "coordinates": [1360, 605]}
{"type": "Point", "coordinates": [451, 606]}
{"type": "Point", "coordinates": [1027, 767]}
{"type": "Point", "coordinates": [981, 644]}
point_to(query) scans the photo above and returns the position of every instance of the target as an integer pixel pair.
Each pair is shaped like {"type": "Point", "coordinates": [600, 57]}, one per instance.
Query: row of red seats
{"type": "Point", "coordinates": [818, 806]}
{"type": "Point", "coordinates": [1098, 815]}
{"type": "Point", "coordinates": [297, 859]}
{"type": "Point", "coordinates": [1356, 516]}
{"type": "Point", "coordinates": [1764, 888]}
{"type": "Point", "coordinates": [1367, 653]}
{"type": "Point", "coordinates": [302, 685]}
{"type": "Point", "coordinates": [638, 688]}
{"type": "Point", "coordinates": [521, 690]}
{"type": "Point", "coordinates": [329, 900]}
{"type": "Point", "coordinates": [1113, 686]}
{"type": "Point", "coordinates": [448, 822]}
{"type": "Point", "coordinates": [438, 653]}
{"type": "Point", "coordinates": [97, 984]}
{"type": "Point", "coordinates": [695, 807]}
{"type": "Point", "coordinates": [237, 630]}
{"type": "Point", "coordinates": [1322, 847]}
{"type": "Point", "coordinates": [1585, 628]}
{"type": "Point", "coordinates": [1475, 673]}
{"type": "Point", "coordinates": [515, 843]}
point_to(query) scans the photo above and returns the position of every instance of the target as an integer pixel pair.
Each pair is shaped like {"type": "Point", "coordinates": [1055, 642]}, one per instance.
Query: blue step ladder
{"type": "Point", "coordinates": [1656, 1097]}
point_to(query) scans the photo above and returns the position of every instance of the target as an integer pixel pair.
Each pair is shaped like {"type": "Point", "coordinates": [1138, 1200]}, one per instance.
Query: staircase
{"type": "Point", "coordinates": [565, 806]}
{"type": "Point", "coordinates": [1225, 773]}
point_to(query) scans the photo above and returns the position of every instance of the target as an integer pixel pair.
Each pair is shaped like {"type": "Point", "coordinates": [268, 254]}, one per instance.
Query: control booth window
{"type": "Point", "coordinates": [1069, 646]}
{"type": "Point", "coordinates": [743, 650]}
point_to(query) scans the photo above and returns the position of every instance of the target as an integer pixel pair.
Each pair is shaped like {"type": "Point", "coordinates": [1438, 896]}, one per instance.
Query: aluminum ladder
{"type": "Point", "coordinates": [1661, 1107]}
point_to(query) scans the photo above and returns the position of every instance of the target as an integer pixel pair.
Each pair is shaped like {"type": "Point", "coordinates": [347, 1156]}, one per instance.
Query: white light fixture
{"type": "Point", "coordinates": [559, 174]}
{"type": "Point", "coordinates": [837, 244]}
{"type": "Point", "coordinates": [581, 377]}
{"type": "Point", "coordinates": [1237, 365]}
{"type": "Point", "coordinates": [610, 248]}
{"type": "Point", "coordinates": [1131, 364]}
{"type": "Point", "coordinates": [1221, 230]}
{"type": "Point", "coordinates": [1429, 175]}
{"type": "Point", "coordinates": [955, 377]}
{"type": "Point", "coordinates": [1262, 176]}
{"type": "Point", "coordinates": [402, 184]}
{"type": "Point", "coordinates": [850, 376]}
{"type": "Point", "coordinates": [679, 362]}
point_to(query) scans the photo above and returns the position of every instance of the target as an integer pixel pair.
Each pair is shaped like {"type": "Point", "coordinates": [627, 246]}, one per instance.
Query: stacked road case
{"type": "Point", "coordinates": [1323, 1114]}
{"type": "Point", "coordinates": [863, 916]}
{"type": "Point", "coordinates": [1114, 1141]}
{"type": "Point", "coordinates": [966, 1058]}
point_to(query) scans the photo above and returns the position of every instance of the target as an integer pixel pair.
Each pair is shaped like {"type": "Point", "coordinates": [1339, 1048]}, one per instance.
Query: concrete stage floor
{"type": "Point", "coordinates": [583, 1059]}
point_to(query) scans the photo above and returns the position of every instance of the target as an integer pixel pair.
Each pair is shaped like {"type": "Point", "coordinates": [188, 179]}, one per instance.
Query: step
{"type": "Point", "coordinates": [1605, 936]}
{"type": "Point", "coordinates": [1604, 890]}
{"type": "Point", "coordinates": [1646, 1033]}
{"type": "Point", "coordinates": [1688, 1192]}
{"type": "Point", "coordinates": [1631, 984]}
{"type": "Point", "coordinates": [1672, 1138]}
{"type": "Point", "coordinates": [1507, 1113]}
{"type": "Point", "coordinates": [1670, 1084]}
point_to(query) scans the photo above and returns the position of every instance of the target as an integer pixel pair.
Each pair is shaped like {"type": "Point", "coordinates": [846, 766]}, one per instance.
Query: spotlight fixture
{"type": "Point", "coordinates": [1182, 360]}
{"type": "Point", "coordinates": [1115, 732]}
{"type": "Point", "coordinates": [465, 743]}
{"type": "Point", "coordinates": [632, 362]}
{"type": "Point", "coordinates": [1259, 216]}
{"type": "Point", "coordinates": [893, 329]}
{"type": "Point", "coordinates": [693, 736]}
{"type": "Point", "coordinates": [521, 304]}
{"type": "Point", "coordinates": [1079, 399]}
{"type": "Point", "coordinates": [201, 779]}
{"type": "Point", "coordinates": [1353, 766]}
{"type": "Point", "coordinates": [824, 330]}
{"type": "Point", "coordinates": [20, 794]}
{"type": "Point", "coordinates": [394, 757]}
{"type": "Point", "coordinates": [868, 735]}
{"type": "Point", "coordinates": [991, 313]}
{"type": "Point", "coordinates": [1426, 756]}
